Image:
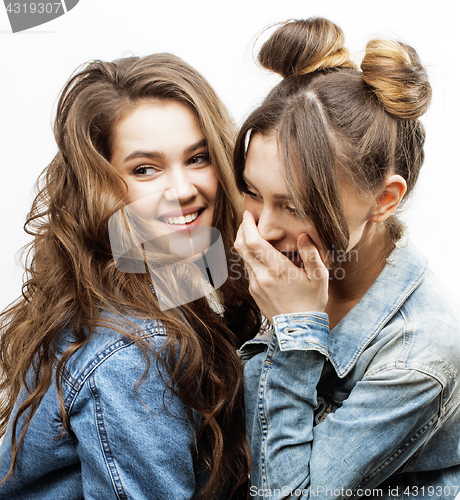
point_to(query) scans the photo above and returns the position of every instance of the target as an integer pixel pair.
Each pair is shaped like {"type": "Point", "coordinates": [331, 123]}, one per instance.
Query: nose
{"type": "Point", "coordinates": [180, 187]}
{"type": "Point", "coordinates": [269, 226]}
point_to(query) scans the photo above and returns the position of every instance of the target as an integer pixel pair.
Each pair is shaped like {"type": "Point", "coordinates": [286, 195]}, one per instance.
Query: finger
{"type": "Point", "coordinates": [250, 232]}
{"type": "Point", "coordinates": [250, 239]}
{"type": "Point", "coordinates": [313, 265]}
{"type": "Point", "coordinates": [250, 259]}
{"type": "Point", "coordinates": [260, 248]}
{"type": "Point", "coordinates": [239, 243]}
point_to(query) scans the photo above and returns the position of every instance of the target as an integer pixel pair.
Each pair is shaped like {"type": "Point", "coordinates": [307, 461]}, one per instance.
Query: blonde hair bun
{"type": "Point", "coordinates": [394, 72]}
{"type": "Point", "coordinates": [303, 46]}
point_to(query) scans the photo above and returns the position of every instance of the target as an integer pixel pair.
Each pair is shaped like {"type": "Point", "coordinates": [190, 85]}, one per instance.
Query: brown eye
{"type": "Point", "coordinates": [249, 193]}
{"type": "Point", "coordinates": [200, 160]}
{"type": "Point", "coordinates": [292, 210]}
{"type": "Point", "coordinates": [145, 171]}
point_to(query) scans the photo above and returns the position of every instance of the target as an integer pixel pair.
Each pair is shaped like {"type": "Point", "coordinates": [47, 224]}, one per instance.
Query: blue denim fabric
{"type": "Point", "coordinates": [123, 443]}
{"type": "Point", "coordinates": [368, 409]}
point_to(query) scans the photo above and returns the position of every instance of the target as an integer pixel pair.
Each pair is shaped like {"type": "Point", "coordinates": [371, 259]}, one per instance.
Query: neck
{"type": "Point", "coordinates": [350, 280]}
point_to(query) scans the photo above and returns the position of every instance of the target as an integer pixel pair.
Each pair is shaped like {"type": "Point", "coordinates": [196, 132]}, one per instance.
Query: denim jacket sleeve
{"type": "Point", "coordinates": [388, 415]}
{"type": "Point", "coordinates": [134, 441]}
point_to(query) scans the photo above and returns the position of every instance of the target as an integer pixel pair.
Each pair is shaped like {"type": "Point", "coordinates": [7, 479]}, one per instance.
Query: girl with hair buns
{"type": "Point", "coordinates": [106, 391]}
{"type": "Point", "coordinates": [354, 392]}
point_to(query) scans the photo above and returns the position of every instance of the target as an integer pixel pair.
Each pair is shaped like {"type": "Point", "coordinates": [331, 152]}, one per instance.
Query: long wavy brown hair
{"type": "Point", "coordinates": [72, 277]}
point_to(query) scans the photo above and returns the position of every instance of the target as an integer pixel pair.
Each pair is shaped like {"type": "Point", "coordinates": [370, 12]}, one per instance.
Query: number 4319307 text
{"type": "Point", "coordinates": [33, 8]}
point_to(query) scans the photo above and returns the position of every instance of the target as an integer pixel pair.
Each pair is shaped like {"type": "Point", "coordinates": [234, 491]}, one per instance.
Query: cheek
{"type": "Point", "coordinates": [134, 193]}
{"type": "Point", "coordinates": [294, 229]}
{"type": "Point", "coordinates": [145, 207]}
{"type": "Point", "coordinates": [143, 199]}
{"type": "Point", "coordinates": [207, 183]}
{"type": "Point", "coordinates": [313, 234]}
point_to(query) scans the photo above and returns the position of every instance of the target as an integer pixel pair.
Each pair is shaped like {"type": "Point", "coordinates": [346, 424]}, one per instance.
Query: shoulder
{"type": "Point", "coordinates": [431, 299]}
{"type": "Point", "coordinates": [431, 312]}
{"type": "Point", "coordinates": [111, 348]}
{"type": "Point", "coordinates": [424, 334]}
{"type": "Point", "coordinates": [415, 322]}
{"type": "Point", "coordinates": [117, 397]}
{"type": "Point", "coordinates": [420, 298]}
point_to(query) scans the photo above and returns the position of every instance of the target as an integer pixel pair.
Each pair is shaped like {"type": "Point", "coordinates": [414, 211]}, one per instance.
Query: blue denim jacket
{"type": "Point", "coordinates": [123, 443]}
{"type": "Point", "coordinates": [368, 409]}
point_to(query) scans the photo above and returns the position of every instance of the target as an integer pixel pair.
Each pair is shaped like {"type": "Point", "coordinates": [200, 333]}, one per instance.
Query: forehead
{"type": "Point", "coordinates": [157, 124]}
{"type": "Point", "coordinates": [263, 168]}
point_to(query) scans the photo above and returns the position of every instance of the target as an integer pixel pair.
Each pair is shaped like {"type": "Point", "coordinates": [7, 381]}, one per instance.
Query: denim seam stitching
{"type": "Point", "coordinates": [308, 322]}
{"type": "Point", "coordinates": [408, 335]}
{"type": "Point", "coordinates": [303, 315]}
{"type": "Point", "coordinates": [447, 412]}
{"type": "Point", "coordinates": [104, 441]}
{"type": "Point", "coordinates": [77, 384]}
{"type": "Point", "coordinates": [262, 410]}
{"type": "Point", "coordinates": [307, 341]}
{"type": "Point", "coordinates": [385, 320]}
{"type": "Point", "coordinates": [89, 370]}
{"type": "Point", "coordinates": [412, 367]}
{"type": "Point", "coordinates": [400, 450]}
{"type": "Point", "coordinates": [305, 319]}
{"type": "Point", "coordinates": [316, 343]}
{"type": "Point", "coordinates": [319, 321]}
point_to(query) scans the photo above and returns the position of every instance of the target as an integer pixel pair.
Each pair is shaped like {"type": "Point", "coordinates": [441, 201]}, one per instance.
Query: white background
{"type": "Point", "coordinates": [217, 38]}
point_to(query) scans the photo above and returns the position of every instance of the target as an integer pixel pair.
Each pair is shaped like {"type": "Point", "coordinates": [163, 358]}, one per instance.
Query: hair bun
{"type": "Point", "coordinates": [396, 76]}
{"type": "Point", "coordinates": [303, 46]}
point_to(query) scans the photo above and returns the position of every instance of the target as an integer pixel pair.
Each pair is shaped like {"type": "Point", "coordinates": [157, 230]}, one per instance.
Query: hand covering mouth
{"type": "Point", "coordinates": [294, 257]}
{"type": "Point", "coordinates": [291, 254]}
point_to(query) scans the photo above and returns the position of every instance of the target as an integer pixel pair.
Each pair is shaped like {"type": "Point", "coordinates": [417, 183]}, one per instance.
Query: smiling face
{"type": "Point", "coordinates": [161, 153]}
{"type": "Point", "coordinates": [267, 199]}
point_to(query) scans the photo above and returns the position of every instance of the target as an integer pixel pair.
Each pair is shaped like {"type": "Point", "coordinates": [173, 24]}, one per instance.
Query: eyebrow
{"type": "Point", "coordinates": [283, 197]}
{"type": "Point", "coordinates": [152, 155]}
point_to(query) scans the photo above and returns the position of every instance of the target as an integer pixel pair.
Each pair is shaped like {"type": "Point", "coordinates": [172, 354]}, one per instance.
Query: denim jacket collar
{"type": "Point", "coordinates": [404, 271]}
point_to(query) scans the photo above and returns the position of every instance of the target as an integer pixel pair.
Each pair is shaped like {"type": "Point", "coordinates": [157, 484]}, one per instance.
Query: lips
{"type": "Point", "coordinates": [181, 217]}
{"type": "Point", "coordinates": [181, 220]}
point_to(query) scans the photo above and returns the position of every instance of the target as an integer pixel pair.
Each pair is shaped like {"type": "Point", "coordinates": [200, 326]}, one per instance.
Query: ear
{"type": "Point", "coordinates": [389, 199]}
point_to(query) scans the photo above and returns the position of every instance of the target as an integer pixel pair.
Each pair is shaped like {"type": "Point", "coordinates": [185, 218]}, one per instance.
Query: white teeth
{"type": "Point", "coordinates": [182, 219]}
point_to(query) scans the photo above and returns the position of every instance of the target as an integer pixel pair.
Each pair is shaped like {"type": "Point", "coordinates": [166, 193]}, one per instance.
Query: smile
{"type": "Point", "coordinates": [182, 219]}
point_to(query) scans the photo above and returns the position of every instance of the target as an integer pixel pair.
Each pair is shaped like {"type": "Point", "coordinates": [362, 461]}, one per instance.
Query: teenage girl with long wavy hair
{"type": "Point", "coordinates": [105, 392]}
